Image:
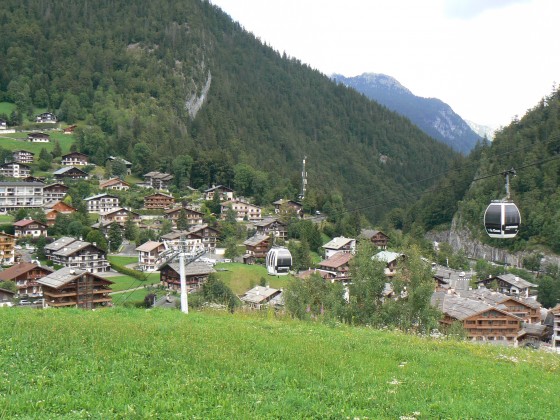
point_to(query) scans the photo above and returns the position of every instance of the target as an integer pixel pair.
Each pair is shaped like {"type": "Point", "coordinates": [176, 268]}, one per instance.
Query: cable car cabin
{"type": "Point", "coordinates": [278, 261]}
{"type": "Point", "coordinates": [502, 220]}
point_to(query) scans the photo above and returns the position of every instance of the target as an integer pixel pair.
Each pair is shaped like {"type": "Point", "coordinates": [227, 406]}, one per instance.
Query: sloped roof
{"type": "Point", "coordinates": [113, 181]}
{"type": "Point", "coordinates": [495, 298]}
{"type": "Point", "coordinates": [219, 187]}
{"type": "Point", "coordinates": [461, 308]}
{"type": "Point", "coordinates": [338, 242]}
{"type": "Point", "coordinates": [19, 269]}
{"type": "Point", "coordinates": [149, 246]}
{"type": "Point", "coordinates": [64, 276]}
{"type": "Point", "coordinates": [259, 294]}
{"type": "Point", "coordinates": [516, 281]}
{"type": "Point", "coordinates": [337, 260]}
{"type": "Point", "coordinates": [95, 197]}
{"type": "Point", "coordinates": [72, 248]}
{"type": "Point", "coordinates": [387, 256]}
{"type": "Point", "coordinates": [65, 169]}
{"type": "Point", "coordinates": [26, 222]}
{"type": "Point", "coordinates": [370, 233]}
{"type": "Point", "coordinates": [196, 268]}
{"type": "Point", "coordinates": [256, 239]}
{"type": "Point", "coordinates": [268, 221]}
{"type": "Point", "coordinates": [60, 243]}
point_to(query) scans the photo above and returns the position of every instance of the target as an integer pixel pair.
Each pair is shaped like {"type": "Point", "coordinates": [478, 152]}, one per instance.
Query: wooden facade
{"type": "Point", "coordinates": [25, 275]}
{"type": "Point", "coordinates": [258, 245]}
{"type": "Point", "coordinates": [193, 217]}
{"type": "Point", "coordinates": [29, 227]}
{"type": "Point", "coordinates": [7, 248]}
{"type": "Point", "coordinates": [159, 201]}
{"type": "Point", "coordinates": [272, 227]}
{"type": "Point", "coordinates": [69, 287]}
{"type": "Point", "coordinates": [196, 273]}
{"type": "Point", "coordinates": [376, 237]}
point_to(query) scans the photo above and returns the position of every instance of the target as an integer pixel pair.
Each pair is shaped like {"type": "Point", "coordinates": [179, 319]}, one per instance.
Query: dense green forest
{"type": "Point", "coordinates": [134, 74]}
{"type": "Point", "coordinates": [530, 145]}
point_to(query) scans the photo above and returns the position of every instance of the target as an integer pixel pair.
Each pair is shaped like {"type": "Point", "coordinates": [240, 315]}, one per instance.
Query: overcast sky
{"type": "Point", "coordinates": [488, 59]}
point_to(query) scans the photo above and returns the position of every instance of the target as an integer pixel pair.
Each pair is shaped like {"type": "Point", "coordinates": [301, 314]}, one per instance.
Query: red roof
{"type": "Point", "coordinates": [337, 260]}
{"type": "Point", "coordinates": [25, 222]}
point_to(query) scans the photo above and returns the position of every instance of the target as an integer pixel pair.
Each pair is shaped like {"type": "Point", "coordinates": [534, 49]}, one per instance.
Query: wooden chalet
{"type": "Point", "coordinates": [29, 227]}
{"type": "Point", "coordinates": [509, 284]}
{"type": "Point", "coordinates": [158, 180]}
{"type": "Point", "coordinates": [481, 321]}
{"type": "Point", "coordinates": [6, 297]}
{"type": "Point", "coordinates": [528, 309]}
{"type": "Point", "coordinates": [75, 159]}
{"type": "Point", "coordinates": [120, 216]}
{"type": "Point", "coordinates": [260, 296]}
{"type": "Point", "coordinates": [73, 287]}
{"type": "Point", "coordinates": [125, 162]}
{"type": "Point", "coordinates": [46, 118]}
{"type": "Point", "coordinates": [376, 237]}
{"type": "Point", "coordinates": [391, 259]}
{"type": "Point", "coordinates": [54, 208]}
{"type": "Point", "coordinates": [282, 207]}
{"type": "Point", "coordinates": [191, 241]}
{"type": "Point", "coordinates": [258, 245]}
{"type": "Point", "coordinates": [159, 201]}
{"type": "Point", "coordinates": [338, 266]}
{"type": "Point", "coordinates": [339, 244]}
{"type": "Point", "coordinates": [22, 156]}
{"type": "Point", "coordinates": [38, 138]}
{"type": "Point", "coordinates": [243, 210]}
{"type": "Point", "coordinates": [225, 193]}
{"type": "Point", "coordinates": [208, 234]}
{"type": "Point", "coordinates": [70, 129]}
{"type": "Point", "coordinates": [193, 217]}
{"type": "Point", "coordinates": [7, 248]}
{"type": "Point", "coordinates": [73, 253]}
{"type": "Point", "coordinates": [102, 203]}
{"type": "Point", "coordinates": [149, 254]}
{"type": "Point", "coordinates": [554, 316]}
{"type": "Point", "coordinates": [114, 184]}
{"type": "Point", "coordinates": [25, 275]}
{"type": "Point", "coordinates": [69, 172]}
{"type": "Point", "coordinates": [196, 273]}
{"type": "Point", "coordinates": [272, 227]}
{"type": "Point", "coordinates": [55, 192]}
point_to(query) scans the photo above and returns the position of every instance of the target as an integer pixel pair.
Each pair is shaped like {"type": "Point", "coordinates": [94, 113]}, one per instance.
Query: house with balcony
{"type": "Point", "coordinates": [338, 266]}
{"type": "Point", "coordinates": [54, 208]}
{"type": "Point", "coordinates": [509, 284]}
{"type": "Point", "coordinates": [272, 227]}
{"type": "Point", "coordinates": [196, 274]}
{"type": "Point", "coordinates": [75, 159]}
{"type": "Point", "coordinates": [15, 170]}
{"type": "Point", "coordinates": [243, 210]}
{"type": "Point", "coordinates": [193, 217]}
{"type": "Point", "coordinates": [55, 192]}
{"type": "Point", "coordinates": [260, 296]}
{"type": "Point", "coordinates": [191, 242]}
{"type": "Point", "coordinates": [339, 244]}
{"type": "Point", "coordinates": [209, 235]}
{"type": "Point", "coordinates": [157, 180]}
{"type": "Point", "coordinates": [25, 276]}
{"type": "Point", "coordinates": [286, 207]}
{"type": "Point", "coordinates": [18, 194]}
{"type": "Point", "coordinates": [22, 156]}
{"type": "Point", "coordinates": [391, 259]}
{"type": "Point", "coordinates": [29, 227]}
{"type": "Point", "coordinates": [7, 248]}
{"type": "Point", "coordinates": [159, 200]}
{"type": "Point", "coordinates": [376, 237]}
{"type": "Point", "coordinates": [480, 320]}
{"type": "Point", "coordinates": [149, 254]}
{"type": "Point", "coordinates": [102, 203]}
{"type": "Point", "coordinates": [74, 253]}
{"type": "Point", "coordinates": [46, 118]}
{"type": "Point", "coordinates": [38, 138]}
{"type": "Point", "coordinates": [225, 193]}
{"type": "Point", "coordinates": [73, 287]}
{"type": "Point", "coordinates": [120, 216]}
{"type": "Point", "coordinates": [69, 173]}
{"type": "Point", "coordinates": [256, 247]}
{"type": "Point", "coordinates": [114, 184]}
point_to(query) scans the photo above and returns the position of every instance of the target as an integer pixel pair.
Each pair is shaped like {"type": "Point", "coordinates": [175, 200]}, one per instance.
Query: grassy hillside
{"type": "Point", "coordinates": [17, 141]}
{"type": "Point", "coordinates": [136, 363]}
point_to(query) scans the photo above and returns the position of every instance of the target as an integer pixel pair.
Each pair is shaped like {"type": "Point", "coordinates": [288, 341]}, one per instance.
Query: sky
{"type": "Point", "coordinates": [490, 60]}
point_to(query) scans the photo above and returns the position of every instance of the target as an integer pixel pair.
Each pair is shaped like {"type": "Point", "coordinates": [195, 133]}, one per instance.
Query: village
{"type": "Point", "coordinates": [74, 272]}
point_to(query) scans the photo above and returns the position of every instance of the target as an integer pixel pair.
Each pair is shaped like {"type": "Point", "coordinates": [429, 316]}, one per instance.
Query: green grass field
{"type": "Point", "coordinates": [136, 363]}
{"type": "Point", "coordinates": [117, 259]}
{"type": "Point", "coordinates": [16, 141]}
{"type": "Point", "coordinates": [7, 108]}
{"type": "Point", "coordinates": [127, 282]}
{"type": "Point", "coordinates": [241, 277]}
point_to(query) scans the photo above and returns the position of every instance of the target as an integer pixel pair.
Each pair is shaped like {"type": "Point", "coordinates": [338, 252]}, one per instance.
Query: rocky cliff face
{"type": "Point", "coordinates": [461, 238]}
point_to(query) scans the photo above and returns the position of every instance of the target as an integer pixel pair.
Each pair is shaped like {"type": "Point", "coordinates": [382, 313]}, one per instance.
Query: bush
{"type": "Point", "coordinates": [129, 271]}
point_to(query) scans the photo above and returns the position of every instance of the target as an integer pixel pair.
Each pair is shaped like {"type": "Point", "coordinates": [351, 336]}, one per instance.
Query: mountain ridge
{"type": "Point", "coordinates": [431, 115]}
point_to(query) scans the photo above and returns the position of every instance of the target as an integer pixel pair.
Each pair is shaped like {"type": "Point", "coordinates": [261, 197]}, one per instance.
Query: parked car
{"type": "Point", "coordinates": [24, 302]}
{"type": "Point", "coordinates": [38, 302]}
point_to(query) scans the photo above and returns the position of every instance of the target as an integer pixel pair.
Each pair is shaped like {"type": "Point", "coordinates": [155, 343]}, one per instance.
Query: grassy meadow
{"type": "Point", "coordinates": [131, 363]}
{"type": "Point", "coordinates": [242, 277]}
{"type": "Point", "coordinates": [17, 141]}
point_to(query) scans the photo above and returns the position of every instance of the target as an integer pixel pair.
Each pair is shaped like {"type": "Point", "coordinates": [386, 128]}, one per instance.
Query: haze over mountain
{"type": "Point", "coordinates": [431, 115]}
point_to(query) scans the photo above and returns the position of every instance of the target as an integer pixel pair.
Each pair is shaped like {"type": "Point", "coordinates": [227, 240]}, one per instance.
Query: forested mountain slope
{"type": "Point", "coordinates": [431, 115]}
{"type": "Point", "coordinates": [178, 86]}
{"type": "Point", "coordinates": [531, 146]}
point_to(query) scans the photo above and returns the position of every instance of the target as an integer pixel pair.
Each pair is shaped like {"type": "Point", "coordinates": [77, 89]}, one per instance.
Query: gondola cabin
{"type": "Point", "coordinates": [278, 261]}
{"type": "Point", "coordinates": [502, 220]}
